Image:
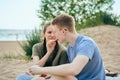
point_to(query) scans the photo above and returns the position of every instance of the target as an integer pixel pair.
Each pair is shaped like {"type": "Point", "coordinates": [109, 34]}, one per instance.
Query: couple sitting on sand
{"type": "Point", "coordinates": [81, 61]}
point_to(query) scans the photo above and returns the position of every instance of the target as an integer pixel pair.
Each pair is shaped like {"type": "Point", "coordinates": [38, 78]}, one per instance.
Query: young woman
{"type": "Point", "coordinates": [48, 53]}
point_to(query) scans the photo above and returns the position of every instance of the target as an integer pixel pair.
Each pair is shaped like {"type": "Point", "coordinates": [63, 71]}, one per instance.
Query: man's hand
{"type": "Point", "coordinates": [28, 73]}
{"type": "Point", "coordinates": [35, 70]}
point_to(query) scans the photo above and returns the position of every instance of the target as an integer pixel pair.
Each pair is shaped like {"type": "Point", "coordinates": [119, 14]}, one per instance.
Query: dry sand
{"type": "Point", "coordinates": [107, 38]}
{"type": "Point", "coordinates": [11, 47]}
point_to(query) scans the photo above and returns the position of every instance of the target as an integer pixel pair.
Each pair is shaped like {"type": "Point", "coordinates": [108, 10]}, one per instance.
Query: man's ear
{"type": "Point", "coordinates": [65, 30]}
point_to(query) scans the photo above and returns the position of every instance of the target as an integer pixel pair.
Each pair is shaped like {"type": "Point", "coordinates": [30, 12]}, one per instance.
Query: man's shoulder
{"type": "Point", "coordinates": [85, 39]}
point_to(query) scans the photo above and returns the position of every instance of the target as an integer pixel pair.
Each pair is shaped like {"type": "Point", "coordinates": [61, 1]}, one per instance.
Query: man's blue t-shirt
{"type": "Point", "coordinates": [94, 69]}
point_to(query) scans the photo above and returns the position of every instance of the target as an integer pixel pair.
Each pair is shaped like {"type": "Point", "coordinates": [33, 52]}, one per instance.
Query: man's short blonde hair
{"type": "Point", "coordinates": [64, 20]}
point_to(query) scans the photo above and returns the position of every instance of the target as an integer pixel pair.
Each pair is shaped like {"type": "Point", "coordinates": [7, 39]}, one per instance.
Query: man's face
{"type": "Point", "coordinates": [59, 34]}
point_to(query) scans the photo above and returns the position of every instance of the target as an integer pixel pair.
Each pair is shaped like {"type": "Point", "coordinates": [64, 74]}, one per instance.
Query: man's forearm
{"type": "Point", "coordinates": [61, 70]}
{"type": "Point", "coordinates": [73, 68]}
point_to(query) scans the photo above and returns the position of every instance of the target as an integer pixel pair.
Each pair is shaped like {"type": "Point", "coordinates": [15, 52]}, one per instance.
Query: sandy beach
{"type": "Point", "coordinates": [107, 37]}
{"type": "Point", "coordinates": [10, 47]}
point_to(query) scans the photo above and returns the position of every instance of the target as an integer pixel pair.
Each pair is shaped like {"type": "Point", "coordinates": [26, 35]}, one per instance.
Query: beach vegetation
{"type": "Point", "coordinates": [86, 13]}
{"type": "Point", "coordinates": [101, 18]}
{"type": "Point", "coordinates": [10, 56]}
{"type": "Point", "coordinates": [32, 38]}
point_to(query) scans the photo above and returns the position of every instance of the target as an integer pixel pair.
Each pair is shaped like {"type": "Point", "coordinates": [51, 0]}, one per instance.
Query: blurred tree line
{"type": "Point", "coordinates": [85, 12]}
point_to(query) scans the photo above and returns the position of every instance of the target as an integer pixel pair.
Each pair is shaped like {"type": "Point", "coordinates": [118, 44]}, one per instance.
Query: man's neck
{"type": "Point", "coordinates": [71, 38]}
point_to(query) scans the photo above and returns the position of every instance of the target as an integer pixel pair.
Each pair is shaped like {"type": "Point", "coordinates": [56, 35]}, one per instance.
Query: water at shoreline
{"type": "Point", "coordinates": [13, 35]}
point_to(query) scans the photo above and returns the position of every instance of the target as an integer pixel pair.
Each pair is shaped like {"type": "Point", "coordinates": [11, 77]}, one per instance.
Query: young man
{"type": "Point", "coordinates": [84, 54]}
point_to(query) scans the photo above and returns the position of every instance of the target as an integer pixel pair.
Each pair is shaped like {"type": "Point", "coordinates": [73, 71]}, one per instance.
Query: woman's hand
{"type": "Point", "coordinates": [50, 46]}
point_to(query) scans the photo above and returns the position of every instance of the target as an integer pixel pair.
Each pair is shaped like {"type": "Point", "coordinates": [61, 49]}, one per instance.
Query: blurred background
{"type": "Point", "coordinates": [22, 21]}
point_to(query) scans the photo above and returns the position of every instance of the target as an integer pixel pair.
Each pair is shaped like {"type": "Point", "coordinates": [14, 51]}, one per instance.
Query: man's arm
{"type": "Point", "coordinates": [63, 70]}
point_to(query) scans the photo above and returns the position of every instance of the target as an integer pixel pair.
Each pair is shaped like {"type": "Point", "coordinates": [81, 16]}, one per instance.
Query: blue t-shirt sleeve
{"type": "Point", "coordinates": [86, 48]}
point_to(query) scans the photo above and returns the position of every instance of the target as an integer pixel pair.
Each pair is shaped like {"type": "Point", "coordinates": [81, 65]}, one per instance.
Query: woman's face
{"type": "Point", "coordinates": [49, 34]}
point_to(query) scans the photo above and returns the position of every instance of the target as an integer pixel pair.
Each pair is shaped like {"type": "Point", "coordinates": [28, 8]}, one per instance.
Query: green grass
{"type": "Point", "coordinates": [102, 18]}
{"type": "Point", "coordinates": [11, 56]}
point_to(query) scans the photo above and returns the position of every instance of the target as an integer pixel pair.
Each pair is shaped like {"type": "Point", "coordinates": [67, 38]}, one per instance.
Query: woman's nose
{"type": "Point", "coordinates": [52, 34]}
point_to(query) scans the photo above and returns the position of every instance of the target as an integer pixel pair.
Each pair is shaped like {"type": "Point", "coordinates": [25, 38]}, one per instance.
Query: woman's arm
{"type": "Point", "coordinates": [35, 60]}
{"type": "Point", "coordinates": [50, 47]}
{"type": "Point", "coordinates": [42, 61]}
